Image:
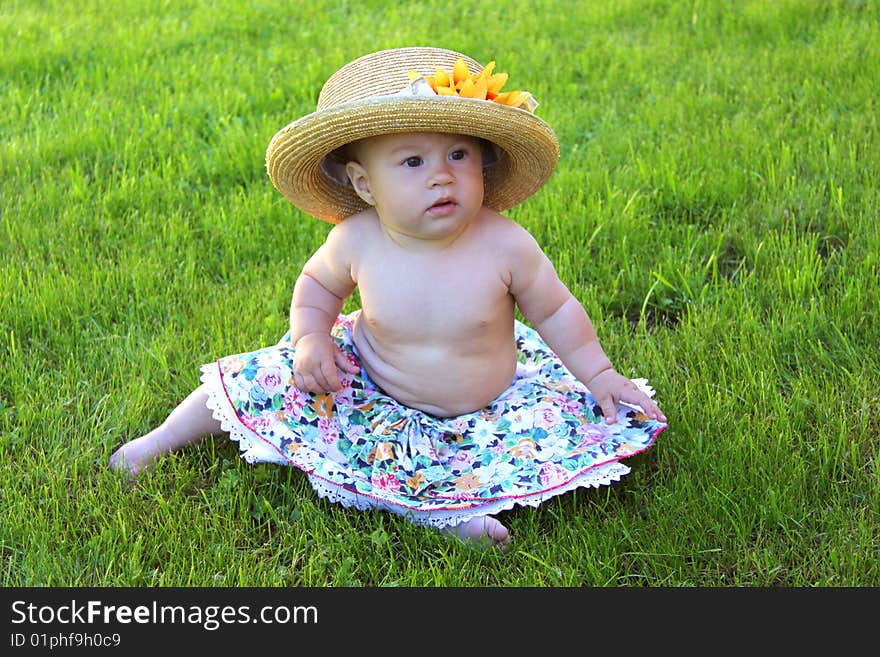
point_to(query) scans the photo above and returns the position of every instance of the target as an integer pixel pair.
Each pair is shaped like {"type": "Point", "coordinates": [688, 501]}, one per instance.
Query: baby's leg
{"type": "Point", "coordinates": [482, 529]}
{"type": "Point", "coordinates": [186, 424]}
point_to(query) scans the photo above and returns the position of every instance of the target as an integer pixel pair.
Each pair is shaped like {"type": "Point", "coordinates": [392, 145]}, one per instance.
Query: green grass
{"type": "Point", "coordinates": [715, 209]}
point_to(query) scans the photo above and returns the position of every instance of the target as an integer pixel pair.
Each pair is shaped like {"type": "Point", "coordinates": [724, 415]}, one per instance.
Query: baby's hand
{"type": "Point", "coordinates": [315, 363]}
{"type": "Point", "coordinates": [609, 387]}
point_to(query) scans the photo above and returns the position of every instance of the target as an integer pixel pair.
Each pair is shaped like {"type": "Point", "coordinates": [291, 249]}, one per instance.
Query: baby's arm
{"type": "Point", "coordinates": [562, 322]}
{"type": "Point", "coordinates": [318, 297]}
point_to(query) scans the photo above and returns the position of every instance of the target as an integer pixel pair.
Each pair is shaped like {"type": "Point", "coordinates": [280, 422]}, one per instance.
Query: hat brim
{"type": "Point", "coordinates": [295, 154]}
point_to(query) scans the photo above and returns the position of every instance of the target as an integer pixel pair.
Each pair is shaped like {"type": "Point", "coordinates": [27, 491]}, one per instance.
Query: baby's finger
{"type": "Point", "coordinates": [346, 363]}
{"type": "Point", "coordinates": [609, 409]}
{"type": "Point", "coordinates": [652, 410]}
{"type": "Point", "coordinates": [657, 414]}
{"type": "Point", "coordinates": [329, 378]}
{"type": "Point", "coordinates": [306, 383]}
{"type": "Point", "coordinates": [649, 406]}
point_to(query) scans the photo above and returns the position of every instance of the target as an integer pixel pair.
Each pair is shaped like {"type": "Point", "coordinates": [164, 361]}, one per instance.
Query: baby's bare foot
{"type": "Point", "coordinates": [136, 455]}
{"type": "Point", "coordinates": [482, 529]}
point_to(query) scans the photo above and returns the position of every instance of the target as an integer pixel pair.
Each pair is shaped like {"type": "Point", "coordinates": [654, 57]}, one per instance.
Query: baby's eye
{"type": "Point", "coordinates": [413, 161]}
{"type": "Point", "coordinates": [458, 154]}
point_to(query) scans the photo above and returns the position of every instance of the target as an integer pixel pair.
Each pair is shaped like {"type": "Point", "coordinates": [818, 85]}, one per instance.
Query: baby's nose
{"type": "Point", "coordinates": [441, 175]}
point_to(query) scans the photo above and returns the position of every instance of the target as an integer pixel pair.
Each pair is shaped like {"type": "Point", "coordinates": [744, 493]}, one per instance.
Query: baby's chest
{"type": "Point", "coordinates": [432, 299]}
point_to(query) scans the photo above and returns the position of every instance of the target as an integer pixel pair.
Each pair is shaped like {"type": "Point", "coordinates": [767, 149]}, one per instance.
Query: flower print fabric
{"type": "Point", "coordinates": [542, 436]}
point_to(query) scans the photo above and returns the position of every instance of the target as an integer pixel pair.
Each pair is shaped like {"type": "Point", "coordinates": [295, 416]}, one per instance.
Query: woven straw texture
{"type": "Point", "coordinates": [361, 100]}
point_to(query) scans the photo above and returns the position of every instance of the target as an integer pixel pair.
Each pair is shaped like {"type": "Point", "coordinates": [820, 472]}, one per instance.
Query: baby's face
{"type": "Point", "coordinates": [423, 185]}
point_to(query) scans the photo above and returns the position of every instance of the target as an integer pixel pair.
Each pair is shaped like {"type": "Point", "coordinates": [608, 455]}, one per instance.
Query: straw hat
{"type": "Point", "coordinates": [376, 94]}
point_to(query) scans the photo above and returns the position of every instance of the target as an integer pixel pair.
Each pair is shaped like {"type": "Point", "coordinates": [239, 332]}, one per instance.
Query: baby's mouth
{"type": "Point", "coordinates": [442, 206]}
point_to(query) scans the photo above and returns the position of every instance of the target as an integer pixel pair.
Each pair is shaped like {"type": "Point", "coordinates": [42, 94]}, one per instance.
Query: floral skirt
{"type": "Point", "coordinates": [541, 437]}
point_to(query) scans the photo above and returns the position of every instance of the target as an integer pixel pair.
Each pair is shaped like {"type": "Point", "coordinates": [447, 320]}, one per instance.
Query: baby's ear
{"type": "Point", "coordinates": [357, 175]}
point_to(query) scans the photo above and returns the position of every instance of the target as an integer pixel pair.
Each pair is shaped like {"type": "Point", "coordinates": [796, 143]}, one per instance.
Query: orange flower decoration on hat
{"type": "Point", "coordinates": [484, 85]}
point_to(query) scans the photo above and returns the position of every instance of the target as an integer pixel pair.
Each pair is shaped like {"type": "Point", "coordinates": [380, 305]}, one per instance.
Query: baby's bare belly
{"type": "Point", "coordinates": [445, 380]}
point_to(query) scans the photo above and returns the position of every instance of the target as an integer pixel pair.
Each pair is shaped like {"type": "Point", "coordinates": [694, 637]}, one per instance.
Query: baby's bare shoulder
{"type": "Point", "coordinates": [505, 234]}
{"type": "Point", "coordinates": [358, 225]}
{"type": "Point", "coordinates": [352, 233]}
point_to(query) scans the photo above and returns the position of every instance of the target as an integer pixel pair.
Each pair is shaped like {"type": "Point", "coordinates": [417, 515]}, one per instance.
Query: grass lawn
{"type": "Point", "coordinates": [715, 209]}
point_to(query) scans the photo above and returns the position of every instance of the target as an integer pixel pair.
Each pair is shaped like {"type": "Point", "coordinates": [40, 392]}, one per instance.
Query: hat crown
{"type": "Point", "coordinates": [386, 72]}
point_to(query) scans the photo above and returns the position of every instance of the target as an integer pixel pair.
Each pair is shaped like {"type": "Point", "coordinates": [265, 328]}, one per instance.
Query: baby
{"type": "Point", "coordinates": [430, 401]}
